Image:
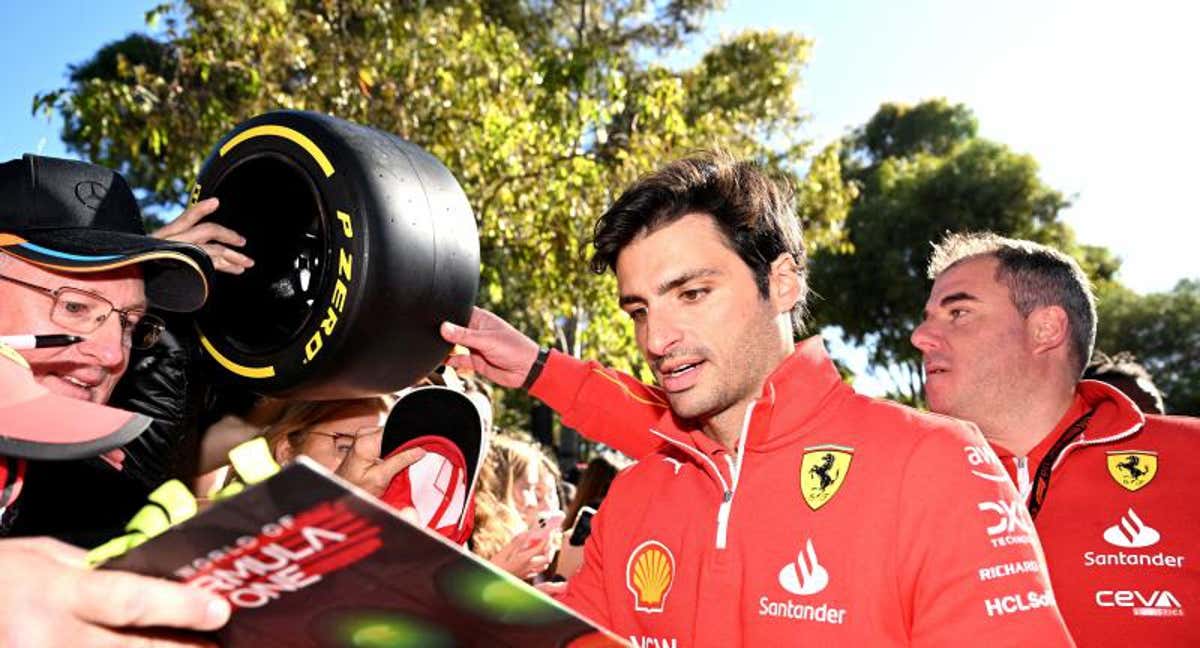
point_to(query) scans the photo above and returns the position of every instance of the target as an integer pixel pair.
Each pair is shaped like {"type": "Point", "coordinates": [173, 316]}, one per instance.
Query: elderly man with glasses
{"type": "Point", "coordinates": [75, 260]}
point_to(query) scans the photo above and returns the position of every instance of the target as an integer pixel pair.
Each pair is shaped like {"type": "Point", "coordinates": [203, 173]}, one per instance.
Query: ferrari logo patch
{"type": "Point", "coordinates": [1133, 469]}
{"type": "Point", "coordinates": [822, 472]}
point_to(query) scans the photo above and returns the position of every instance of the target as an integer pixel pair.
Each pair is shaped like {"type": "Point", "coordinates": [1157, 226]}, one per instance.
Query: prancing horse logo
{"type": "Point", "coordinates": [822, 472]}
{"type": "Point", "coordinates": [1130, 465]}
{"type": "Point", "coordinates": [1132, 469]}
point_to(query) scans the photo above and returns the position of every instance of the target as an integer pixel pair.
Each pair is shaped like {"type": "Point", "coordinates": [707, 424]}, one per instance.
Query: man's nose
{"type": "Point", "coordinates": [662, 333]}
{"type": "Point", "coordinates": [924, 337]}
{"type": "Point", "coordinates": [106, 344]}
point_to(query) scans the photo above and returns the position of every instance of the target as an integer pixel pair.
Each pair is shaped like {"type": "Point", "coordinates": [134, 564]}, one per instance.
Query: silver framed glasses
{"type": "Point", "coordinates": [82, 311]}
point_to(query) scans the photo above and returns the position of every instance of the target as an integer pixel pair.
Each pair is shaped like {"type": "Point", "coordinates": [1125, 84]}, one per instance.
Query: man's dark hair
{"type": "Point", "coordinates": [1036, 275]}
{"type": "Point", "coordinates": [756, 214]}
{"type": "Point", "coordinates": [1123, 371]}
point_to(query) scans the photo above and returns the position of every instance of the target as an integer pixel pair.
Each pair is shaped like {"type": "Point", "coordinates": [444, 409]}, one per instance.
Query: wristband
{"type": "Point", "coordinates": [536, 369]}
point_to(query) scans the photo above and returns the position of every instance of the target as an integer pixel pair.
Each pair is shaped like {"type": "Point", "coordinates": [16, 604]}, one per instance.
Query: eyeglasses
{"type": "Point", "coordinates": [344, 441]}
{"type": "Point", "coordinates": [81, 311]}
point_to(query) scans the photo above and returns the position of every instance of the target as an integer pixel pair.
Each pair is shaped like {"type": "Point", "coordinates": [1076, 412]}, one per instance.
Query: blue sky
{"type": "Point", "coordinates": [1101, 96]}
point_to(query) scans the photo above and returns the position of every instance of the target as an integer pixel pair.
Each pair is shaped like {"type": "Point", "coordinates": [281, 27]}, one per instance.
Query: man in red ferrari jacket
{"type": "Point", "coordinates": [1009, 328]}
{"type": "Point", "coordinates": [776, 504]}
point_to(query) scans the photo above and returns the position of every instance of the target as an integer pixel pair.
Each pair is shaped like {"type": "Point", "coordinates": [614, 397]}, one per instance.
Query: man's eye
{"type": "Point", "coordinates": [693, 294]}
{"type": "Point", "coordinates": [956, 313]}
{"type": "Point", "coordinates": [637, 314]}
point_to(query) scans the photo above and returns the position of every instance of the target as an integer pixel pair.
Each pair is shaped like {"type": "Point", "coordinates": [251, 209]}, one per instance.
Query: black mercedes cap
{"type": "Point", "coordinates": [77, 217]}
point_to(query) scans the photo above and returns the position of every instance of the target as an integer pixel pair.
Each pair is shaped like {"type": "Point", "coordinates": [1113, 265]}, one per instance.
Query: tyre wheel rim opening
{"type": "Point", "coordinates": [274, 204]}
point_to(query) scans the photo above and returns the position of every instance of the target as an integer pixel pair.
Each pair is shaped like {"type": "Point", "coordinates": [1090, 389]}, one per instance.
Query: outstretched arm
{"type": "Point", "coordinates": [604, 405]}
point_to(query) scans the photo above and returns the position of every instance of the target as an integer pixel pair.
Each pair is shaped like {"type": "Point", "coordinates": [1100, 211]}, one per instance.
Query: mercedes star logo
{"type": "Point", "coordinates": [91, 193]}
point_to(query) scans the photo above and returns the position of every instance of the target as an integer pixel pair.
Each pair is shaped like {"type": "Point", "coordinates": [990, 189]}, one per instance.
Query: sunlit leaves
{"type": "Point", "coordinates": [543, 110]}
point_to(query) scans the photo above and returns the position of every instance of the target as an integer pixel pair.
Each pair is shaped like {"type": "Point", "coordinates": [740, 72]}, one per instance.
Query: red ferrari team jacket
{"type": "Point", "coordinates": [1115, 495]}
{"type": "Point", "coordinates": [842, 520]}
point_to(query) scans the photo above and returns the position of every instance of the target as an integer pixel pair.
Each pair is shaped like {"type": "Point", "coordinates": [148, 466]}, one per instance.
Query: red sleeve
{"type": "Point", "coordinates": [585, 590]}
{"type": "Point", "coordinates": [603, 405]}
{"type": "Point", "coordinates": [971, 566]}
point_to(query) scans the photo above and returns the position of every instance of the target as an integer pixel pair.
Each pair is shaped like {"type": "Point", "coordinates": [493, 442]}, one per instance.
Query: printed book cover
{"type": "Point", "coordinates": [305, 558]}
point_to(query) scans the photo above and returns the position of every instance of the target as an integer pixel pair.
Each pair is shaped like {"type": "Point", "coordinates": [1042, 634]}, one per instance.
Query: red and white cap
{"type": "Point", "coordinates": [36, 423]}
{"type": "Point", "coordinates": [450, 427]}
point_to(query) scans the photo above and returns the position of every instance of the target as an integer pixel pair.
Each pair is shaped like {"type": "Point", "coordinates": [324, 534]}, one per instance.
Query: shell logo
{"type": "Point", "coordinates": [649, 574]}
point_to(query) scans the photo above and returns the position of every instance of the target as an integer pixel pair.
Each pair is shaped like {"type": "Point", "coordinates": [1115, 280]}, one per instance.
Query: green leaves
{"type": "Point", "coordinates": [921, 172]}
{"type": "Point", "coordinates": [1163, 331]}
{"type": "Point", "coordinates": [543, 110]}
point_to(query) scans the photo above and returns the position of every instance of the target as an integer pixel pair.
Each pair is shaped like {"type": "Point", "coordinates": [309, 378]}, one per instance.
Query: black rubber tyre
{"type": "Point", "coordinates": [363, 244]}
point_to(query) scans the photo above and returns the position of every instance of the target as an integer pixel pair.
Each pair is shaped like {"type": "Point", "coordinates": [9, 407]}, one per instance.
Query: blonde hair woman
{"type": "Point", "coordinates": [505, 498]}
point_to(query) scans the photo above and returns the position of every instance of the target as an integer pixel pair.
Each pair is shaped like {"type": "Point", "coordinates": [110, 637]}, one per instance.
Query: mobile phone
{"type": "Point", "coordinates": [548, 522]}
{"type": "Point", "coordinates": [583, 526]}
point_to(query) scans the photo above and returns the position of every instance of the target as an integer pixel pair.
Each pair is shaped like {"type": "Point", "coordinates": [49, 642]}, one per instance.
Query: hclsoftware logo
{"type": "Point", "coordinates": [1131, 532]}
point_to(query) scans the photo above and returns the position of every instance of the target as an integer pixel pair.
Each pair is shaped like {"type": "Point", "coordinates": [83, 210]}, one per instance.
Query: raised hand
{"type": "Point", "coordinates": [214, 239]}
{"type": "Point", "coordinates": [499, 352]}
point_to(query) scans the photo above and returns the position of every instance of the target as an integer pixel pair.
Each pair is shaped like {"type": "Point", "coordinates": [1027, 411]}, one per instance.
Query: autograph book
{"type": "Point", "coordinates": [306, 559]}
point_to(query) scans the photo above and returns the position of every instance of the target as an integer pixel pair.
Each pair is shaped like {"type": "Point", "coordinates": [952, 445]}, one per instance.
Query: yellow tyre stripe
{"type": "Point", "coordinates": [287, 133]}
{"type": "Point", "coordinates": [241, 370]}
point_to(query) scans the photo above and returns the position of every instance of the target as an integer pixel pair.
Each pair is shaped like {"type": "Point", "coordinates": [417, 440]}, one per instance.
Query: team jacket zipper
{"type": "Point", "coordinates": [1022, 464]}
{"type": "Point", "coordinates": [735, 469]}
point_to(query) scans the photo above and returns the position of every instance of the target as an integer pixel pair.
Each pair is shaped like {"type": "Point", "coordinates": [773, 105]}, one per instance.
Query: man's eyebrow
{"type": "Point", "coordinates": [669, 285]}
{"type": "Point", "coordinates": [956, 297]}
{"type": "Point", "coordinates": [952, 298]}
{"type": "Point", "coordinates": [139, 305]}
{"type": "Point", "coordinates": [629, 299]}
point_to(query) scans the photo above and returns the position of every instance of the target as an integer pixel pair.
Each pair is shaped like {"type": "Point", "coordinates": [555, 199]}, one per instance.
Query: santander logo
{"type": "Point", "coordinates": [806, 575]}
{"type": "Point", "coordinates": [1131, 532]}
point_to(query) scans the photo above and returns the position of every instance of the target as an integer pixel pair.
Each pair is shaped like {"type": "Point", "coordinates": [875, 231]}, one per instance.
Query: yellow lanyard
{"type": "Point", "coordinates": [173, 503]}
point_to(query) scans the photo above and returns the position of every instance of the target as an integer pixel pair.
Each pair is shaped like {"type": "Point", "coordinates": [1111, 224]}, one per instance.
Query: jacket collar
{"type": "Point", "coordinates": [796, 393]}
{"type": "Point", "coordinates": [1114, 417]}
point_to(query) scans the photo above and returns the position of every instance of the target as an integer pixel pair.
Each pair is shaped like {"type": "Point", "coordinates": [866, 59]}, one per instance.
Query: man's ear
{"type": "Point", "coordinates": [1049, 328]}
{"type": "Point", "coordinates": [785, 283]}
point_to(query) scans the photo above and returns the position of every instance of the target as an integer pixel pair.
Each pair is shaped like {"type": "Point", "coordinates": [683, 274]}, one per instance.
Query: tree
{"type": "Point", "coordinates": [923, 171]}
{"type": "Point", "coordinates": [543, 110]}
{"type": "Point", "coordinates": [1163, 331]}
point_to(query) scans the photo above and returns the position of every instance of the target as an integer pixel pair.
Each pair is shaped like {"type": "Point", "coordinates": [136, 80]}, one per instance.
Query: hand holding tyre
{"type": "Point", "coordinates": [214, 239]}
{"type": "Point", "coordinates": [498, 352]}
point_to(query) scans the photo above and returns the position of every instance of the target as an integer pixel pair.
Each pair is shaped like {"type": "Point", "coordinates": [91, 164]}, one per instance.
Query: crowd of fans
{"type": "Point", "coordinates": [717, 445]}
{"type": "Point", "coordinates": [519, 521]}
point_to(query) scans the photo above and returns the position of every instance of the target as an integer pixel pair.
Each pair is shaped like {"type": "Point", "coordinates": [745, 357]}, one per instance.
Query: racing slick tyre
{"type": "Point", "coordinates": [363, 244]}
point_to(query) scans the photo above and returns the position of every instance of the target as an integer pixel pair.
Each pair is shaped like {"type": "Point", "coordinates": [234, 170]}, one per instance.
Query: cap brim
{"type": "Point", "coordinates": [55, 427]}
{"type": "Point", "coordinates": [434, 410]}
{"type": "Point", "coordinates": [36, 423]}
{"type": "Point", "coordinates": [176, 274]}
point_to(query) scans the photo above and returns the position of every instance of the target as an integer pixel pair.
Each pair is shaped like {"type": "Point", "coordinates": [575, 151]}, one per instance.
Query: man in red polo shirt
{"type": "Point", "coordinates": [1009, 327]}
